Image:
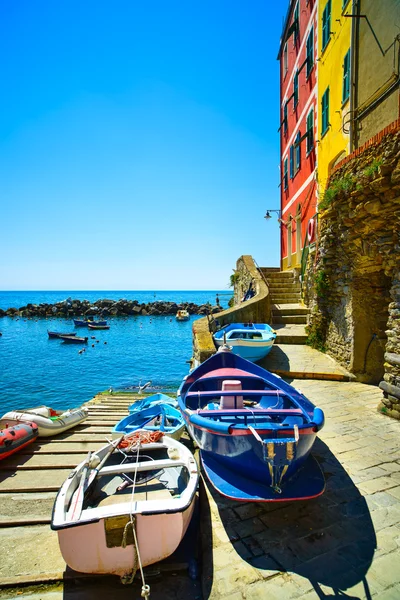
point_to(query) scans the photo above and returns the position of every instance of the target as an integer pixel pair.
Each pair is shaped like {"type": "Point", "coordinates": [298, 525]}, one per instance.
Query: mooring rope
{"type": "Point", "coordinates": [128, 579]}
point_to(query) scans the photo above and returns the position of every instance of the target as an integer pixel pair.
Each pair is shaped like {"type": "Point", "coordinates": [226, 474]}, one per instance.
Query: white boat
{"type": "Point", "coordinates": [126, 507]}
{"type": "Point", "coordinates": [49, 421]}
{"type": "Point", "coordinates": [182, 315]}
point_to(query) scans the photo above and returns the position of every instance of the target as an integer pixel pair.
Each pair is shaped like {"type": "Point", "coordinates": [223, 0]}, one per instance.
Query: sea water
{"type": "Point", "coordinates": [35, 369]}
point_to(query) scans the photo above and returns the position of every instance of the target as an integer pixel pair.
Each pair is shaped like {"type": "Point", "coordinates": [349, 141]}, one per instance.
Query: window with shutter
{"type": "Point", "coordinates": [298, 150]}
{"type": "Point", "coordinates": [310, 132]}
{"type": "Point", "coordinates": [325, 111]}
{"type": "Point", "coordinates": [326, 24]}
{"type": "Point", "coordinates": [346, 78]}
{"type": "Point", "coordinates": [285, 174]}
{"type": "Point", "coordinates": [310, 52]}
{"type": "Point", "coordinates": [291, 165]}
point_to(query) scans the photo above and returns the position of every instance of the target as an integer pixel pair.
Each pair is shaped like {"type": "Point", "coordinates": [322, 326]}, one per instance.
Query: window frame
{"type": "Point", "coordinates": [326, 24]}
{"type": "Point", "coordinates": [285, 118]}
{"type": "Point", "coordinates": [296, 18]}
{"type": "Point", "coordinates": [297, 155]}
{"type": "Point", "coordinates": [310, 64]}
{"type": "Point", "coordinates": [346, 77]}
{"type": "Point", "coordinates": [291, 162]}
{"type": "Point", "coordinates": [310, 145]}
{"type": "Point", "coordinates": [285, 60]}
{"type": "Point", "coordinates": [295, 90]}
{"type": "Point", "coordinates": [285, 174]}
{"type": "Point", "coordinates": [325, 111]}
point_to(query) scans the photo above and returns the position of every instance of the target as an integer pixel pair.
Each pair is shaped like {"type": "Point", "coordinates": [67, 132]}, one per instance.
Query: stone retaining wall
{"type": "Point", "coordinates": [353, 286]}
{"type": "Point", "coordinates": [257, 309]}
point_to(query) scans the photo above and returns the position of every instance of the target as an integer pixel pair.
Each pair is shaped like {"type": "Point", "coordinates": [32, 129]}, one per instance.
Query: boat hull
{"type": "Point", "coordinates": [16, 437]}
{"type": "Point", "coordinates": [155, 417]}
{"type": "Point", "coordinates": [84, 547]}
{"type": "Point", "coordinates": [307, 483]}
{"type": "Point", "coordinates": [255, 431]}
{"type": "Point", "coordinates": [46, 426]}
{"type": "Point", "coordinates": [250, 350]}
{"type": "Point", "coordinates": [240, 451]}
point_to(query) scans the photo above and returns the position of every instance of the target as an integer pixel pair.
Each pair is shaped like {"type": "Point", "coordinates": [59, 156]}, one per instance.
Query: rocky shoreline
{"type": "Point", "coordinates": [106, 308]}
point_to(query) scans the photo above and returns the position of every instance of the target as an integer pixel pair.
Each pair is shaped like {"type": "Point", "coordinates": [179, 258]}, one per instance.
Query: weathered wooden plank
{"type": "Point", "coordinates": [26, 508]}
{"type": "Point", "coordinates": [40, 461]}
{"type": "Point", "coordinates": [63, 448]}
{"type": "Point", "coordinates": [31, 553]}
{"type": "Point", "coordinates": [47, 480]}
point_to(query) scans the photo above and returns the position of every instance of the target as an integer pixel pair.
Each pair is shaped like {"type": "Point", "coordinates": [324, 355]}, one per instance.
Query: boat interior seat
{"type": "Point", "coordinates": [293, 421]}
{"type": "Point", "coordinates": [228, 402]}
{"type": "Point", "coordinates": [275, 401]}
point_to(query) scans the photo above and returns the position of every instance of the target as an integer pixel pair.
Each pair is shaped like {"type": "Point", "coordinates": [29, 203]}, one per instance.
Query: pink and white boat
{"type": "Point", "coordinates": [125, 506]}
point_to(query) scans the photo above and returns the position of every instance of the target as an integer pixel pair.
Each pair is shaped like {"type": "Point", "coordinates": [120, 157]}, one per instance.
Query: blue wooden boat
{"type": "Point", "coordinates": [255, 431]}
{"type": "Point", "coordinates": [57, 334]}
{"type": "Point", "coordinates": [252, 341]}
{"type": "Point", "coordinates": [80, 322]}
{"type": "Point", "coordinates": [153, 400]}
{"type": "Point", "coordinates": [159, 417]}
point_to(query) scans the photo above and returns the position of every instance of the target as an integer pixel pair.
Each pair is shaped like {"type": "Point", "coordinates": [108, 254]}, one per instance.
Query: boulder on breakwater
{"type": "Point", "coordinates": [106, 308]}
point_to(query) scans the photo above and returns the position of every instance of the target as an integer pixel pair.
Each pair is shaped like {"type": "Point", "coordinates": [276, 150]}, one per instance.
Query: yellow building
{"type": "Point", "coordinates": [334, 85]}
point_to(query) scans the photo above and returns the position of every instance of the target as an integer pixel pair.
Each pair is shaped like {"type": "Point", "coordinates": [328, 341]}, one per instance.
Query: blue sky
{"type": "Point", "coordinates": [138, 142]}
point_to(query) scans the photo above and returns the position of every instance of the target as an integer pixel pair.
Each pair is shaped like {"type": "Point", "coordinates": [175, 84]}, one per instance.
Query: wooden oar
{"type": "Point", "coordinates": [77, 502]}
{"type": "Point", "coordinates": [95, 471]}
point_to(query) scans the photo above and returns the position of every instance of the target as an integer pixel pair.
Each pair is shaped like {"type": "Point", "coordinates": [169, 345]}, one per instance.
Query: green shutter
{"type": "Point", "coordinates": [346, 78]}
{"type": "Point", "coordinates": [325, 111]}
{"type": "Point", "coordinates": [285, 174]}
{"type": "Point", "coordinates": [310, 52]}
{"type": "Point", "coordinates": [310, 131]}
{"type": "Point", "coordinates": [296, 89]}
{"type": "Point", "coordinates": [298, 150]}
{"type": "Point", "coordinates": [291, 166]}
{"type": "Point", "coordinates": [326, 24]}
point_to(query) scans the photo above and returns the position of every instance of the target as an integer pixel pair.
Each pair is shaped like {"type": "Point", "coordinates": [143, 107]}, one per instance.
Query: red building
{"type": "Point", "coordinates": [298, 106]}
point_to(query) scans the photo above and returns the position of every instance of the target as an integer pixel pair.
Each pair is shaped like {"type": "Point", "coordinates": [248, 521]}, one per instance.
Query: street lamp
{"type": "Point", "coordinates": [269, 216]}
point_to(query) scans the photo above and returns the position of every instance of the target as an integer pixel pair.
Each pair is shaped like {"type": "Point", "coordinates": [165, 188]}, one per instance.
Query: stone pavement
{"type": "Point", "coordinates": [303, 362]}
{"type": "Point", "coordinates": [344, 544]}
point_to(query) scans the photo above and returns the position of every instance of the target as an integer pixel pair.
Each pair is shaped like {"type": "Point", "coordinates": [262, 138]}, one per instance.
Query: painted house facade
{"type": "Point", "coordinates": [298, 118]}
{"type": "Point", "coordinates": [334, 86]}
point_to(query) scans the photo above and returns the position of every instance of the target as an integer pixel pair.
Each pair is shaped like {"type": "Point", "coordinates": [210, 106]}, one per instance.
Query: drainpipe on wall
{"type": "Point", "coordinates": [353, 74]}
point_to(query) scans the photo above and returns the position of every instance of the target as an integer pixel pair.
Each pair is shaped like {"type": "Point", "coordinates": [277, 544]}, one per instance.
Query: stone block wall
{"type": "Point", "coordinates": [353, 282]}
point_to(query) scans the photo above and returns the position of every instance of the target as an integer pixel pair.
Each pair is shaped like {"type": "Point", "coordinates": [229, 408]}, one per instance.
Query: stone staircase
{"type": "Point", "coordinates": [289, 316]}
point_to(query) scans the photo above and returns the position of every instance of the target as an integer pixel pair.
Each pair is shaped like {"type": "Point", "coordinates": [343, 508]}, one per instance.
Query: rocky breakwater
{"type": "Point", "coordinates": [106, 308]}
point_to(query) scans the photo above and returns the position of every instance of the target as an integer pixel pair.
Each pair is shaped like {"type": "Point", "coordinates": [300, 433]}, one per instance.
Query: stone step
{"type": "Point", "coordinates": [285, 299]}
{"type": "Point", "coordinates": [289, 319]}
{"type": "Point", "coordinates": [285, 289]}
{"type": "Point", "coordinates": [290, 333]}
{"type": "Point", "coordinates": [289, 309]}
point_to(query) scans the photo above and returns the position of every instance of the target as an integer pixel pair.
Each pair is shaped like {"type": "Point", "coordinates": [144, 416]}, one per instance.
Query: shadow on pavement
{"type": "Point", "coordinates": [329, 540]}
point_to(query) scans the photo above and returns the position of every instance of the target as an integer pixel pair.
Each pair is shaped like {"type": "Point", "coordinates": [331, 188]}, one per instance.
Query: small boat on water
{"type": "Point", "coordinates": [158, 416]}
{"type": "Point", "coordinates": [182, 315]}
{"type": "Point", "coordinates": [49, 421]}
{"type": "Point", "coordinates": [97, 326]}
{"type": "Point", "coordinates": [255, 431]}
{"type": "Point", "coordinates": [73, 339]}
{"type": "Point", "coordinates": [16, 437]}
{"type": "Point", "coordinates": [252, 341]}
{"type": "Point", "coordinates": [57, 334]}
{"type": "Point", "coordinates": [86, 321]}
{"type": "Point", "coordinates": [119, 505]}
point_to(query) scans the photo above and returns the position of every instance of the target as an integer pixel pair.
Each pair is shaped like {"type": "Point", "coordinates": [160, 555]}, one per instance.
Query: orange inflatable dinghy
{"type": "Point", "coordinates": [16, 437]}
